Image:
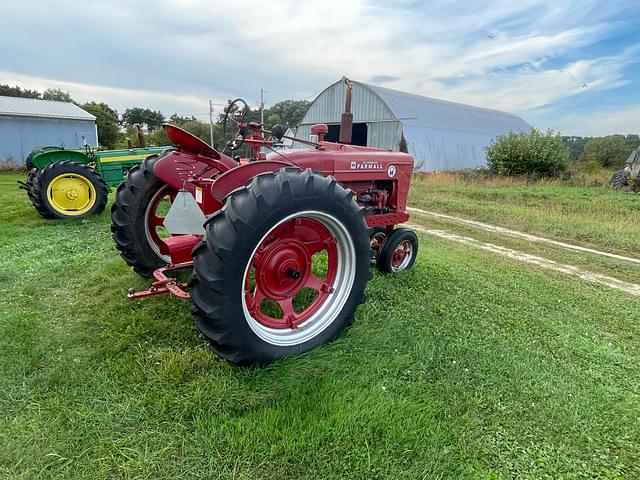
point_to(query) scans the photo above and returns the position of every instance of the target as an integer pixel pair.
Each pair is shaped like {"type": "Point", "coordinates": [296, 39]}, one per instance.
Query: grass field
{"type": "Point", "coordinates": [469, 366]}
{"type": "Point", "coordinates": [596, 216]}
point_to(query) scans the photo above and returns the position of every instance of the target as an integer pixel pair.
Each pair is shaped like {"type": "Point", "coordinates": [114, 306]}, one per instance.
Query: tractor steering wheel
{"type": "Point", "coordinates": [235, 113]}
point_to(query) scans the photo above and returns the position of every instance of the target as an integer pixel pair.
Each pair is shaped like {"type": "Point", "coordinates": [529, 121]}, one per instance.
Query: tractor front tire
{"type": "Point", "coordinates": [398, 251]}
{"type": "Point", "coordinates": [130, 222]}
{"type": "Point", "coordinates": [68, 189]}
{"type": "Point", "coordinates": [282, 269]}
{"type": "Point", "coordinates": [620, 179]}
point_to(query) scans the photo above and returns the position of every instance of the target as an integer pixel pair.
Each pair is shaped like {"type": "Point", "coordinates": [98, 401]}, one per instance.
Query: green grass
{"type": "Point", "coordinates": [595, 216]}
{"type": "Point", "coordinates": [469, 366]}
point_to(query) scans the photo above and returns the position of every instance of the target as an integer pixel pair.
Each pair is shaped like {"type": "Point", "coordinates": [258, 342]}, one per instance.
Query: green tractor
{"type": "Point", "coordinates": [622, 178]}
{"type": "Point", "coordinates": [72, 183]}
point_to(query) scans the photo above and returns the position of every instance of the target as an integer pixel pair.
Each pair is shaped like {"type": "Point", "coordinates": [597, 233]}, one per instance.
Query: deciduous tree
{"type": "Point", "coordinates": [106, 121]}
{"type": "Point", "coordinates": [143, 116]}
{"type": "Point", "coordinates": [610, 152]}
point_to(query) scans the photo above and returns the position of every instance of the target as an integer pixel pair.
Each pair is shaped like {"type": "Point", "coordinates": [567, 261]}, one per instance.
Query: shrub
{"type": "Point", "coordinates": [534, 153]}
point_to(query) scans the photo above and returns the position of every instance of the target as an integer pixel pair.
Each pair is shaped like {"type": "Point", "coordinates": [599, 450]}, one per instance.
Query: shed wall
{"type": "Point", "coordinates": [366, 106]}
{"type": "Point", "coordinates": [19, 135]}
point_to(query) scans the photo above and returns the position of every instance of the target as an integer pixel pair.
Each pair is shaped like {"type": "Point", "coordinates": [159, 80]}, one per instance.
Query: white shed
{"type": "Point", "coordinates": [441, 135]}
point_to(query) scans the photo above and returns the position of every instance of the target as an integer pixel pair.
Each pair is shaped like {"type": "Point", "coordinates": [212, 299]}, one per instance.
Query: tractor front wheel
{"type": "Point", "coordinates": [398, 251]}
{"type": "Point", "coordinates": [282, 268]}
{"type": "Point", "coordinates": [68, 190]}
{"type": "Point", "coordinates": [137, 218]}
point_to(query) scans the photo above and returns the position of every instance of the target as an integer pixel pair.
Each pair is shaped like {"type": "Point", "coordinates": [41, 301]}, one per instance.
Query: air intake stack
{"type": "Point", "coordinates": [346, 122]}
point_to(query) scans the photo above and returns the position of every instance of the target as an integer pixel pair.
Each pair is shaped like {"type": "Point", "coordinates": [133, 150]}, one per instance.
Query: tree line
{"type": "Point", "coordinates": [610, 151]}
{"type": "Point", "coordinates": [119, 130]}
{"type": "Point", "coordinates": [549, 154]}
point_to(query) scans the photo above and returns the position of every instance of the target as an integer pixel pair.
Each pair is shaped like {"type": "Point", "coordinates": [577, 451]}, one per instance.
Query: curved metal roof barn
{"type": "Point", "coordinates": [441, 135]}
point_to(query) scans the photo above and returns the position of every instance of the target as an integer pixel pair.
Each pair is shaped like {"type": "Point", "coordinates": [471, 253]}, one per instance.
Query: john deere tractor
{"type": "Point", "coordinates": [72, 183]}
{"type": "Point", "coordinates": [622, 178]}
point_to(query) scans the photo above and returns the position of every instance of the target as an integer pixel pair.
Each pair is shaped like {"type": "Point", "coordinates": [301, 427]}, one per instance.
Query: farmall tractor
{"type": "Point", "coordinates": [279, 247]}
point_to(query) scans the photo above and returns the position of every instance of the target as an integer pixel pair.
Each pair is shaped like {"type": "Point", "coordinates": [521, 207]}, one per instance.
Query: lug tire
{"type": "Point", "coordinates": [233, 236]}
{"type": "Point", "coordinates": [620, 179]}
{"type": "Point", "coordinates": [128, 218]}
{"type": "Point", "coordinates": [44, 176]}
{"type": "Point", "coordinates": [29, 162]}
{"type": "Point", "coordinates": [31, 178]}
{"type": "Point", "coordinates": [377, 235]}
{"type": "Point", "coordinates": [387, 259]}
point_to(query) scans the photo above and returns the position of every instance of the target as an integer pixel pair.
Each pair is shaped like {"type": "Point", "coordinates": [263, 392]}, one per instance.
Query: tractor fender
{"type": "Point", "coordinates": [46, 157]}
{"type": "Point", "coordinates": [239, 176]}
{"type": "Point", "coordinates": [177, 168]}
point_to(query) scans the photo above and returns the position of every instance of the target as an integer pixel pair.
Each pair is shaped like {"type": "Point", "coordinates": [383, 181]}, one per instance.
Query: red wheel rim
{"type": "Point", "coordinates": [283, 274]}
{"type": "Point", "coordinates": [400, 254]}
{"type": "Point", "coordinates": [154, 219]}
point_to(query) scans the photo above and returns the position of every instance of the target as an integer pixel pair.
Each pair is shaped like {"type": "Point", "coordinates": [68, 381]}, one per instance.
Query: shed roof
{"type": "Point", "coordinates": [446, 135]}
{"type": "Point", "coordinates": [433, 113]}
{"type": "Point", "coordinates": [32, 107]}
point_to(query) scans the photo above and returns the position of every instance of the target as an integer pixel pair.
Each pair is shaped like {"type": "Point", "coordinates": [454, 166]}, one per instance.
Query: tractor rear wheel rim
{"type": "Point", "coordinates": [402, 256]}
{"type": "Point", "coordinates": [153, 221]}
{"type": "Point", "coordinates": [284, 301]}
{"type": "Point", "coordinates": [71, 194]}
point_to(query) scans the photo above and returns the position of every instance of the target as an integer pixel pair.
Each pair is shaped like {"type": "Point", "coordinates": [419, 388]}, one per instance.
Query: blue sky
{"type": "Point", "coordinates": [569, 66]}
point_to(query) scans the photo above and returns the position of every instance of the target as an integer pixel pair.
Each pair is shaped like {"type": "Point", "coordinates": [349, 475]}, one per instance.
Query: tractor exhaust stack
{"type": "Point", "coordinates": [346, 122]}
{"type": "Point", "coordinates": [141, 141]}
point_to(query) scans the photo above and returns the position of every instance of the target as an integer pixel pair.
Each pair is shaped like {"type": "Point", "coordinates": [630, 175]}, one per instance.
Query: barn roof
{"type": "Point", "coordinates": [447, 135]}
{"type": "Point", "coordinates": [32, 107]}
{"type": "Point", "coordinates": [427, 112]}
{"type": "Point", "coordinates": [442, 135]}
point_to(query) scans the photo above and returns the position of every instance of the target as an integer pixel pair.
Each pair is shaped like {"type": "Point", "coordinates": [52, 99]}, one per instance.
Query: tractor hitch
{"type": "Point", "coordinates": [165, 284]}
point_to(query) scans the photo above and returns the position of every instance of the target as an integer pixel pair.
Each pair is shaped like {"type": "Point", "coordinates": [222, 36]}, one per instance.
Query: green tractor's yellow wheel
{"type": "Point", "coordinates": [69, 190]}
{"type": "Point", "coordinates": [71, 194]}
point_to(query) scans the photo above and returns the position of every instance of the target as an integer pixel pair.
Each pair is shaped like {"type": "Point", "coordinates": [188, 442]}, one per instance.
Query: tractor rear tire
{"type": "Point", "coordinates": [67, 189]}
{"type": "Point", "coordinates": [31, 178]}
{"type": "Point", "coordinates": [620, 179]}
{"type": "Point", "coordinates": [129, 218]}
{"type": "Point", "coordinates": [268, 233]}
{"type": "Point", "coordinates": [29, 162]}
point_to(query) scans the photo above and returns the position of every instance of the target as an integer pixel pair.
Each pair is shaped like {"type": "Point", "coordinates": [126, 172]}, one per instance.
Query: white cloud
{"type": "Point", "coordinates": [175, 54]}
{"type": "Point", "coordinates": [530, 88]}
{"type": "Point", "coordinates": [119, 98]}
{"type": "Point", "coordinates": [599, 122]}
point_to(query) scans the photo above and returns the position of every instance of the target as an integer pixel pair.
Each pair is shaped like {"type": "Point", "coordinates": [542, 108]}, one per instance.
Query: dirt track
{"type": "Point", "coordinates": [526, 236]}
{"type": "Point", "coordinates": [627, 287]}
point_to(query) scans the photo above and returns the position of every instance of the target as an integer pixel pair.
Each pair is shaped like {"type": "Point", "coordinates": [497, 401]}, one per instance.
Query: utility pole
{"type": "Point", "coordinates": [261, 107]}
{"type": "Point", "coordinates": [211, 122]}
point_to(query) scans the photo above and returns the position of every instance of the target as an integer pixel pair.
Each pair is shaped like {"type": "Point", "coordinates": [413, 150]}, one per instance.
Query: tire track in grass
{"type": "Point", "coordinates": [631, 288]}
{"type": "Point", "coordinates": [526, 236]}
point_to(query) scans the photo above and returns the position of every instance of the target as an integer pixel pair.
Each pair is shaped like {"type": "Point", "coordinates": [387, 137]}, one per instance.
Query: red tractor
{"type": "Point", "coordinates": [280, 246]}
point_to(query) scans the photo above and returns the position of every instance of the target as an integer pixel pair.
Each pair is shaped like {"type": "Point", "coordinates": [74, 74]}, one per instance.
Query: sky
{"type": "Point", "coordinates": [571, 66]}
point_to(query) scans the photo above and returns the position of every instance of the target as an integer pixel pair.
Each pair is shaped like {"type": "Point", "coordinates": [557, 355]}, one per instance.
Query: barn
{"type": "Point", "coordinates": [26, 123]}
{"type": "Point", "coordinates": [441, 135]}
